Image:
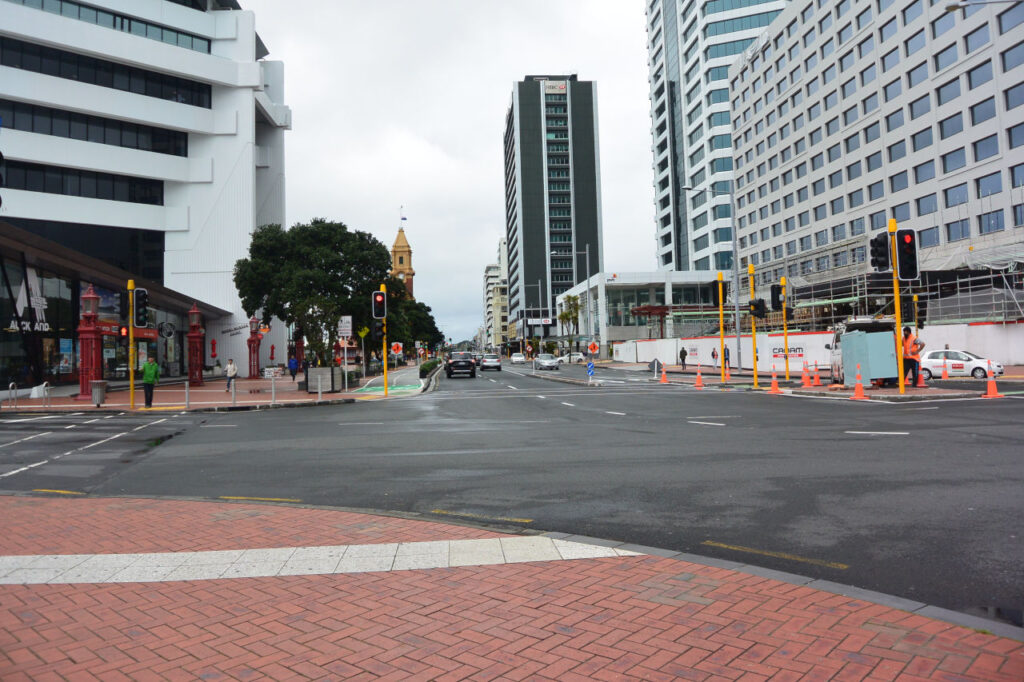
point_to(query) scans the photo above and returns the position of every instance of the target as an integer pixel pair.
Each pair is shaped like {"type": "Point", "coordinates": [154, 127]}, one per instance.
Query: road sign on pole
{"type": "Point", "coordinates": [345, 326]}
{"type": "Point", "coordinates": [396, 348]}
{"type": "Point", "coordinates": [593, 348]}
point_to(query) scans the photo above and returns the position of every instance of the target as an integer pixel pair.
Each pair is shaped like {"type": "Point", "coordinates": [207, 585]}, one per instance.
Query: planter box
{"type": "Point", "coordinates": [324, 373]}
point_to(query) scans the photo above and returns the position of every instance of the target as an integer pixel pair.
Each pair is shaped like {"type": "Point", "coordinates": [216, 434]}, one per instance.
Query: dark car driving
{"type": "Point", "coordinates": [460, 362]}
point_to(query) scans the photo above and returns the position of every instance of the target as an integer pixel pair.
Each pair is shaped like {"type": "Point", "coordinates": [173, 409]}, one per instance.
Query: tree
{"type": "Point", "coordinates": [570, 317]}
{"type": "Point", "coordinates": [311, 275]}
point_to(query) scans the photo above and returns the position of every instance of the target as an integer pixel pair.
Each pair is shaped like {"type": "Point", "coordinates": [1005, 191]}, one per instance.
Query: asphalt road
{"type": "Point", "coordinates": [918, 500]}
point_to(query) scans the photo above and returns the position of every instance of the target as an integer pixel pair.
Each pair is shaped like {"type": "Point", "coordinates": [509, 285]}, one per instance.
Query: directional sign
{"type": "Point", "coordinates": [593, 347]}
{"type": "Point", "coordinates": [396, 348]}
{"type": "Point", "coordinates": [590, 369]}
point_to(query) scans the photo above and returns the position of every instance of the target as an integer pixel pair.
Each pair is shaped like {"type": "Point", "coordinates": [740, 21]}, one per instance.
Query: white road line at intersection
{"type": "Point", "coordinates": [15, 442]}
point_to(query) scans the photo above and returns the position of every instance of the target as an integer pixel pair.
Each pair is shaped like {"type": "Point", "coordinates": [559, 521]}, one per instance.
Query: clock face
{"type": "Point", "coordinates": [401, 276]}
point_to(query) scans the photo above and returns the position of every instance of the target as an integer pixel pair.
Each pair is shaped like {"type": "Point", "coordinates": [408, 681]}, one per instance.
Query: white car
{"type": "Point", "coordinates": [959, 363]}
{"type": "Point", "coordinates": [518, 359]}
{"type": "Point", "coordinates": [545, 361]}
{"type": "Point", "coordinates": [490, 361]}
{"type": "Point", "coordinates": [571, 358]}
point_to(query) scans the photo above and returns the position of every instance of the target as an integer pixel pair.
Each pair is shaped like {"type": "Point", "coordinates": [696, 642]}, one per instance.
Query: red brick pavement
{"type": "Point", "coordinates": [39, 525]}
{"type": "Point", "coordinates": [606, 619]}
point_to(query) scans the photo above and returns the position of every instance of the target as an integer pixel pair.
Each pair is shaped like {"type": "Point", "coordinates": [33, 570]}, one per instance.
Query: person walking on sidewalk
{"type": "Point", "coordinates": [682, 358]}
{"type": "Point", "coordinates": [725, 357]}
{"type": "Point", "coordinates": [293, 366]}
{"type": "Point", "coordinates": [912, 347]}
{"type": "Point", "coordinates": [150, 378]}
{"type": "Point", "coordinates": [714, 357]}
{"type": "Point", "coordinates": [231, 371]}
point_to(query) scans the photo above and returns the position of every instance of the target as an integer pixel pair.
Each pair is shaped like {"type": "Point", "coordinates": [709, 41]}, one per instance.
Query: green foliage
{"type": "Point", "coordinates": [570, 317]}
{"type": "Point", "coordinates": [427, 367]}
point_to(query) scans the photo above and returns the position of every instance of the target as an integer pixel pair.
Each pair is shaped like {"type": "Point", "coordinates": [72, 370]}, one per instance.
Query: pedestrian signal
{"type": "Point", "coordinates": [122, 331]}
{"type": "Point", "coordinates": [379, 305]}
{"type": "Point", "coordinates": [880, 251]}
{"type": "Point", "coordinates": [906, 255]}
{"type": "Point", "coordinates": [141, 307]}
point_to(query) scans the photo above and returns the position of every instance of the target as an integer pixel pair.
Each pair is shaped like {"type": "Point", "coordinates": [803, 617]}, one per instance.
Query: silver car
{"type": "Point", "coordinates": [545, 361]}
{"type": "Point", "coordinates": [490, 361]}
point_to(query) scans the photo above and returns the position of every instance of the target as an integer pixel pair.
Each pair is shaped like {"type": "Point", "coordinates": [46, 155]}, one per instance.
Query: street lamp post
{"type": "Point", "coordinates": [586, 252]}
{"type": "Point", "coordinates": [735, 268]}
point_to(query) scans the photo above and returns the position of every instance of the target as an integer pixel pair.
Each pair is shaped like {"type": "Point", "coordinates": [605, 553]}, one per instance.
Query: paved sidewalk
{"type": "Point", "coordinates": [609, 614]}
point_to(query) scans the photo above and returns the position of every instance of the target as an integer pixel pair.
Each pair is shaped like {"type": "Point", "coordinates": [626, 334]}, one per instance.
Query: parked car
{"type": "Point", "coordinates": [545, 361]}
{"type": "Point", "coordinates": [460, 362]}
{"type": "Point", "coordinates": [959, 363]}
{"type": "Point", "coordinates": [490, 361]}
{"type": "Point", "coordinates": [572, 357]}
{"type": "Point", "coordinates": [518, 359]}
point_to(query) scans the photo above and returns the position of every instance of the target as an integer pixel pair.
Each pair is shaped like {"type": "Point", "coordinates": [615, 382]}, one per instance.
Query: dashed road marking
{"type": "Point", "coordinates": [569, 404]}
{"type": "Point", "coordinates": [620, 414]}
{"type": "Point", "coordinates": [705, 423]}
{"type": "Point", "coordinates": [878, 433]}
{"type": "Point", "coordinates": [137, 428]}
{"type": "Point", "coordinates": [15, 442]}
{"type": "Point", "coordinates": [217, 426]}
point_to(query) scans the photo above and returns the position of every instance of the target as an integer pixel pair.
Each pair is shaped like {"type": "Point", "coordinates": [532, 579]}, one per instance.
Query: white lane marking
{"type": "Point", "coordinates": [569, 404]}
{"type": "Point", "coordinates": [92, 445]}
{"type": "Point", "coordinates": [621, 414]}
{"type": "Point", "coordinates": [714, 416]}
{"type": "Point", "coordinates": [218, 426]}
{"type": "Point", "coordinates": [90, 421]}
{"type": "Point", "coordinates": [542, 397]}
{"type": "Point", "coordinates": [24, 468]}
{"type": "Point", "coordinates": [513, 388]}
{"type": "Point", "coordinates": [137, 428]}
{"type": "Point", "coordinates": [14, 442]}
{"type": "Point", "coordinates": [29, 419]}
{"type": "Point", "coordinates": [71, 426]}
{"type": "Point", "coordinates": [706, 423]}
{"type": "Point", "coordinates": [357, 424]}
{"type": "Point", "coordinates": [924, 408]}
{"type": "Point", "coordinates": [879, 433]}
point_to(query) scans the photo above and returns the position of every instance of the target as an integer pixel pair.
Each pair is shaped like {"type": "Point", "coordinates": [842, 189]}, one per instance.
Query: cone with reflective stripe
{"type": "Point", "coordinates": [817, 379]}
{"type": "Point", "coordinates": [805, 377]}
{"type": "Point", "coordinates": [775, 384]}
{"type": "Point", "coordinates": [699, 384]}
{"type": "Point", "coordinates": [728, 374]}
{"type": "Point", "coordinates": [920, 377]}
{"type": "Point", "coordinates": [945, 374]}
{"type": "Point", "coordinates": [858, 388]}
{"type": "Point", "coordinates": [664, 377]}
{"type": "Point", "coordinates": [992, 392]}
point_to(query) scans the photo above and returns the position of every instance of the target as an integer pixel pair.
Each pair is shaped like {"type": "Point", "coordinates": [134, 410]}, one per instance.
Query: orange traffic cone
{"type": "Point", "coordinates": [664, 378]}
{"type": "Point", "coordinates": [699, 384]}
{"type": "Point", "coordinates": [728, 374]}
{"type": "Point", "coordinates": [805, 378]}
{"type": "Point", "coordinates": [992, 392]}
{"type": "Point", "coordinates": [945, 374]}
{"type": "Point", "coordinates": [774, 390]}
{"type": "Point", "coordinates": [920, 379]}
{"type": "Point", "coordinates": [858, 388]}
{"type": "Point", "coordinates": [817, 379]}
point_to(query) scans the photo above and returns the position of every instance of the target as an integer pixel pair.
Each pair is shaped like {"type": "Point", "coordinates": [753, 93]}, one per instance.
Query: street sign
{"type": "Point", "coordinates": [396, 348]}
{"type": "Point", "coordinates": [345, 326]}
{"type": "Point", "coordinates": [363, 331]}
{"type": "Point", "coordinates": [593, 348]}
{"type": "Point", "coordinates": [590, 369]}
{"type": "Point", "coordinates": [529, 348]}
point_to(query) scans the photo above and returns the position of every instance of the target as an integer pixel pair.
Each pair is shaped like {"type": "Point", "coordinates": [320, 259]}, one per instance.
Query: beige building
{"type": "Point", "coordinates": [401, 261]}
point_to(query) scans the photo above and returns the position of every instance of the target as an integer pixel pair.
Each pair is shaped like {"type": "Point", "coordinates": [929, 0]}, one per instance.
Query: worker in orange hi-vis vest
{"type": "Point", "coordinates": [912, 347]}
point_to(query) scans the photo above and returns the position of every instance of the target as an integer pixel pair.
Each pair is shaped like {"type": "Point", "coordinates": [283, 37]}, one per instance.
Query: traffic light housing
{"type": "Point", "coordinates": [789, 314]}
{"type": "Point", "coordinates": [378, 330]}
{"type": "Point", "coordinates": [379, 305]}
{"type": "Point", "coordinates": [758, 308]}
{"type": "Point", "coordinates": [141, 307]}
{"type": "Point", "coordinates": [776, 297]}
{"type": "Point", "coordinates": [880, 251]}
{"type": "Point", "coordinates": [906, 255]}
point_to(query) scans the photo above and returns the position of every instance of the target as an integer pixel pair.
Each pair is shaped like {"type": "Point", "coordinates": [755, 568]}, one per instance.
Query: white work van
{"type": "Point", "coordinates": [854, 324]}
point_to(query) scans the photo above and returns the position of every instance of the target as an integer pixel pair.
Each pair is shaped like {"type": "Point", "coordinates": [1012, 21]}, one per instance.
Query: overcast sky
{"type": "Point", "coordinates": [402, 103]}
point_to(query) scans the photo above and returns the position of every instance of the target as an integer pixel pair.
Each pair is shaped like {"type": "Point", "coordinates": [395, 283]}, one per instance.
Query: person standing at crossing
{"type": "Point", "coordinates": [912, 347]}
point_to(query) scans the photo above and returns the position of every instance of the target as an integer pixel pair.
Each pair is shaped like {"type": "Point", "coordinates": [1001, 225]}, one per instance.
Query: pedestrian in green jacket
{"type": "Point", "coordinates": [150, 378]}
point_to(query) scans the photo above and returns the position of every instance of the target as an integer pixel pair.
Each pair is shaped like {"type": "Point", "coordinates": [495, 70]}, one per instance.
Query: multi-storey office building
{"type": "Point", "coordinates": [851, 113]}
{"type": "Point", "coordinates": [690, 47]}
{"type": "Point", "coordinates": [552, 195]}
{"type": "Point", "coordinates": [148, 135]}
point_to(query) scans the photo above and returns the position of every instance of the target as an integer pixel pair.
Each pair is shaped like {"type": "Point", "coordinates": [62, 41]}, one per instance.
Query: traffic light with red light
{"type": "Point", "coordinates": [880, 251]}
{"type": "Point", "coordinates": [122, 331]}
{"type": "Point", "coordinates": [906, 255]}
{"type": "Point", "coordinates": [379, 305]}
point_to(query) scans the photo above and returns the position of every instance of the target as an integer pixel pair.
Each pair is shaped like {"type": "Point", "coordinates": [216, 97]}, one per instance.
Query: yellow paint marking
{"type": "Point", "coordinates": [57, 492]}
{"type": "Point", "coordinates": [259, 499]}
{"type": "Point", "coordinates": [480, 516]}
{"type": "Point", "coordinates": [777, 555]}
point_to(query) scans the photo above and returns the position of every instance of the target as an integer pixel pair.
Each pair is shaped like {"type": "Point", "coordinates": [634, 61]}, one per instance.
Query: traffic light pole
{"type": "Point", "coordinates": [721, 326]}
{"type": "Point", "coordinates": [753, 321]}
{"type": "Point", "coordinates": [384, 356]}
{"type": "Point", "coordinates": [785, 326]}
{"type": "Point", "coordinates": [896, 304]}
{"type": "Point", "coordinates": [131, 344]}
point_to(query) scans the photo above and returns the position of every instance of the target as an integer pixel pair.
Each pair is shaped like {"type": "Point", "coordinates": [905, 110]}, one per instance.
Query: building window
{"type": "Point", "coordinates": [876, 190]}
{"type": "Point", "coordinates": [893, 89]}
{"type": "Point", "coordinates": [991, 222]}
{"type": "Point", "coordinates": [989, 184]}
{"type": "Point", "coordinates": [920, 107]}
{"type": "Point", "coordinates": [958, 230]}
{"type": "Point", "coordinates": [856, 198]}
{"type": "Point", "coordinates": [857, 227]}
{"type": "Point", "coordinates": [894, 120]}
{"type": "Point", "coordinates": [924, 172]}
{"type": "Point", "coordinates": [986, 147]}
{"type": "Point", "coordinates": [983, 110]}
{"type": "Point", "coordinates": [979, 74]}
{"type": "Point", "coordinates": [914, 43]}
{"type": "Point", "coordinates": [1013, 57]}
{"type": "Point", "coordinates": [1015, 135]}
{"type": "Point", "coordinates": [1014, 96]}
{"type": "Point", "coordinates": [897, 151]}
{"type": "Point", "coordinates": [922, 139]}
{"type": "Point", "coordinates": [955, 196]}
{"type": "Point", "coordinates": [927, 204]}
{"type": "Point", "coordinates": [917, 75]}
{"type": "Point", "coordinates": [873, 161]}
{"type": "Point", "coordinates": [948, 92]}
{"type": "Point", "coordinates": [898, 181]}
{"type": "Point", "coordinates": [1011, 18]}
{"type": "Point", "coordinates": [33, 177]}
{"type": "Point", "coordinates": [946, 57]}
{"type": "Point", "coordinates": [954, 160]}
{"type": "Point", "coordinates": [976, 38]}
{"type": "Point", "coordinates": [951, 126]}
{"type": "Point", "coordinates": [878, 220]}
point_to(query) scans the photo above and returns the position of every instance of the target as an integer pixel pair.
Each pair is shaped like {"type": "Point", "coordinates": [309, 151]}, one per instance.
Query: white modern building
{"type": "Point", "coordinates": [848, 114]}
{"type": "Point", "coordinates": [148, 134]}
{"type": "Point", "coordinates": [690, 47]}
{"type": "Point", "coordinates": [496, 299]}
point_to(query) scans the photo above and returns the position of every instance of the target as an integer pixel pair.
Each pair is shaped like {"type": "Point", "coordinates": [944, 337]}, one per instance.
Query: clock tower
{"type": "Point", "coordinates": [401, 261]}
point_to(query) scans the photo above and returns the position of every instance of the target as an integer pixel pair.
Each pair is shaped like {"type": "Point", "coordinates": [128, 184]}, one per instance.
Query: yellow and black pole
{"type": "Point", "coordinates": [896, 303]}
{"type": "Point", "coordinates": [131, 344]}
{"type": "Point", "coordinates": [721, 327]}
{"type": "Point", "coordinates": [785, 327]}
{"type": "Point", "coordinates": [753, 322]}
{"type": "Point", "coordinates": [384, 356]}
